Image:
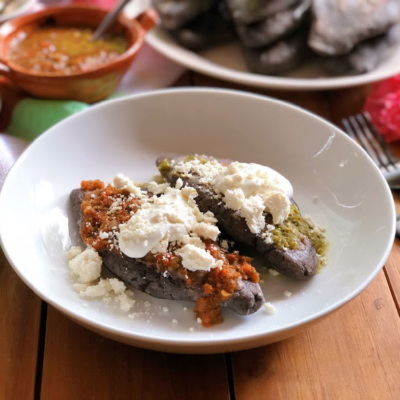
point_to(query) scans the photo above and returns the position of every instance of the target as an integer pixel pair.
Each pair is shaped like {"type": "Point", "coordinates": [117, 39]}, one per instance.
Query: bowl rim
{"type": "Point", "coordinates": [16, 24]}
{"type": "Point", "coordinates": [199, 343]}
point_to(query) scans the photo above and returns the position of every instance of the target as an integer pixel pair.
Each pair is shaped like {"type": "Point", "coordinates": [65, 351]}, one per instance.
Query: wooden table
{"type": "Point", "coordinates": [352, 354]}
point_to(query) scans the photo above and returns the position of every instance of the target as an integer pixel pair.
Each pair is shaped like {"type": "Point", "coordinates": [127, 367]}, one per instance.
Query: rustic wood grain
{"type": "Point", "coordinates": [313, 101]}
{"type": "Point", "coordinates": [19, 327]}
{"type": "Point", "coordinates": [184, 80]}
{"type": "Point", "coordinates": [392, 270]}
{"type": "Point", "coordinates": [346, 102]}
{"type": "Point", "coordinates": [79, 364]}
{"type": "Point", "coordinates": [392, 267]}
{"type": "Point", "coordinates": [352, 354]}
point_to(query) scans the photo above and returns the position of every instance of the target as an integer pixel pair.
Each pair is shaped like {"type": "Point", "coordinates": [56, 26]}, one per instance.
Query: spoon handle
{"type": "Point", "coordinates": [4, 5]}
{"type": "Point", "coordinates": [108, 20]}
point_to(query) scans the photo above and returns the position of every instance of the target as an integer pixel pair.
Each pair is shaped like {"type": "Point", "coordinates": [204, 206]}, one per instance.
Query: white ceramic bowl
{"type": "Point", "coordinates": [333, 179]}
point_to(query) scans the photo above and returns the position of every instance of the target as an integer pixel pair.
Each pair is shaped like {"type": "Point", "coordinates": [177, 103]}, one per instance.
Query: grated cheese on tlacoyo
{"type": "Point", "coordinates": [250, 189]}
{"type": "Point", "coordinates": [171, 217]}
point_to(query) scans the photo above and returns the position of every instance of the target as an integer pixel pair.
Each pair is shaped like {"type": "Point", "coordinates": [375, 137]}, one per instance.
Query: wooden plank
{"type": "Point", "coordinates": [19, 329]}
{"type": "Point", "coordinates": [183, 80]}
{"type": "Point", "coordinates": [313, 101]}
{"type": "Point", "coordinates": [393, 272]}
{"type": "Point", "coordinates": [82, 364]}
{"type": "Point", "coordinates": [392, 267]}
{"type": "Point", "coordinates": [346, 102]}
{"type": "Point", "coordinates": [353, 354]}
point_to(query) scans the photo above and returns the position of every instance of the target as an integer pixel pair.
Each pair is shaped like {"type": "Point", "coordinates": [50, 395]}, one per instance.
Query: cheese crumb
{"type": "Point", "coordinates": [207, 171]}
{"type": "Point", "coordinates": [287, 293]}
{"type": "Point", "coordinates": [191, 329]}
{"type": "Point", "coordinates": [79, 287]}
{"type": "Point", "coordinates": [125, 302]}
{"type": "Point", "coordinates": [206, 231]}
{"type": "Point", "coordinates": [122, 182]}
{"type": "Point", "coordinates": [156, 188]}
{"type": "Point", "coordinates": [225, 245]}
{"type": "Point", "coordinates": [103, 235]}
{"type": "Point", "coordinates": [117, 286]}
{"type": "Point", "coordinates": [273, 272]}
{"type": "Point", "coordinates": [179, 184]}
{"type": "Point", "coordinates": [86, 265]}
{"type": "Point", "coordinates": [197, 259]}
{"type": "Point", "coordinates": [269, 308]}
{"type": "Point", "coordinates": [73, 252]}
{"type": "Point", "coordinates": [174, 321]}
{"type": "Point", "coordinates": [165, 309]}
{"type": "Point", "coordinates": [199, 321]}
{"type": "Point", "coordinates": [99, 290]}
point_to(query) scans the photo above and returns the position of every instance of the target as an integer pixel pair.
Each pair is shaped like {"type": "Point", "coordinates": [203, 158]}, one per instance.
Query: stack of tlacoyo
{"type": "Point", "coordinates": [175, 238]}
{"type": "Point", "coordinates": [277, 36]}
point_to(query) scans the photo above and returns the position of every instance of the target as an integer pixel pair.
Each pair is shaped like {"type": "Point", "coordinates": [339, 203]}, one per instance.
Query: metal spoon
{"type": "Point", "coordinates": [108, 20]}
{"type": "Point", "coordinates": [5, 5]}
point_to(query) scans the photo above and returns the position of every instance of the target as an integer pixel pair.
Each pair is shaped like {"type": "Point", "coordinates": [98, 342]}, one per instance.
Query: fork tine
{"type": "Point", "coordinates": [392, 159]}
{"type": "Point", "coordinates": [379, 153]}
{"type": "Point", "coordinates": [348, 128]}
{"type": "Point", "coordinates": [362, 139]}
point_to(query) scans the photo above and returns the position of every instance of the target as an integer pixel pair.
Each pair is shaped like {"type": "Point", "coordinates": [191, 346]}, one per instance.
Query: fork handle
{"type": "Point", "coordinates": [393, 179]}
{"type": "Point", "coordinates": [398, 226]}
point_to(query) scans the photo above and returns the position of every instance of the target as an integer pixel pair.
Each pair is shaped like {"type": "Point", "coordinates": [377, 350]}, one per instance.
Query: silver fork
{"type": "Point", "coordinates": [361, 129]}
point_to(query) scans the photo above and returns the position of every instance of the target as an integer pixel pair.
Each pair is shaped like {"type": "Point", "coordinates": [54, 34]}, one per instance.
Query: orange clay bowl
{"type": "Point", "coordinates": [89, 86]}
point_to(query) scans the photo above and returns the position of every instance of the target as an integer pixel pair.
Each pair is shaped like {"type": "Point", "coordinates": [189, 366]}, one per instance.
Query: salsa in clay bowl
{"type": "Point", "coordinates": [49, 53]}
{"type": "Point", "coordinates": [64, 50]}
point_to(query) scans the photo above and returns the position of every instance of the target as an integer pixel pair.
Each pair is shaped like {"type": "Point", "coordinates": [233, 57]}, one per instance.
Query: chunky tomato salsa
{"type": "Point", "coordinates": [105, 207]}
{"type": "Point", "coordinates": [64, 50]}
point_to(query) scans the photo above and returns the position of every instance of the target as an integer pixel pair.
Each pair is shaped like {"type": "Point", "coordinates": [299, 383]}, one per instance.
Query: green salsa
{"type": "Point", "coordinates": [164, 167]}
{"type": "Point", "coordinates": [287, 235]}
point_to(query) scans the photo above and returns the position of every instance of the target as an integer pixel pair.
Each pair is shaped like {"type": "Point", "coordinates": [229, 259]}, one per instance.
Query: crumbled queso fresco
{"type": "Point", "coordinates": [251, 189]}
{"type": "Point", "coordinates": [170, 218]}
{"type": "Point", "coordinates": [269, 308]}
{"type": "Point", "coordinates": [85, 266]}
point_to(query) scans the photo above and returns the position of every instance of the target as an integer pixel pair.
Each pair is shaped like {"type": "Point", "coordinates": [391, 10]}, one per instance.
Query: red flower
{"type": "Point", "coordinates": [108, 4]}
{"type": "Point", "coordinates": [383, 104]}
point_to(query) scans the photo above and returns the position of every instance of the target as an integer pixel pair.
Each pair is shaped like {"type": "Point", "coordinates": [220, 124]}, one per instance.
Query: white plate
{"type": "Point", "coordinates": [227, 63]}
{"type": "Point", "coordinates": [333, 179]}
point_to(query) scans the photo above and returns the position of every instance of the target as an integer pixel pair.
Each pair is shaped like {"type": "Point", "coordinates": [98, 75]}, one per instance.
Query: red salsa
{"type": "Point", "coordinates": [105, 207]}
{"type": "Point", "coordinates": [64, 50]}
